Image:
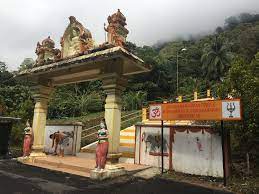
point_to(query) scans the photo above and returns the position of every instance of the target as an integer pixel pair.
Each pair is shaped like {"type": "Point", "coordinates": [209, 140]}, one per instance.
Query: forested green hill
{"type": "Point", "coordinates": [203, 64]}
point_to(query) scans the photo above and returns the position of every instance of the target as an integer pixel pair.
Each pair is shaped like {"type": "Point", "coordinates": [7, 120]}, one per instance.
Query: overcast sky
{"type": "Point", "coordinates": [25, 22]}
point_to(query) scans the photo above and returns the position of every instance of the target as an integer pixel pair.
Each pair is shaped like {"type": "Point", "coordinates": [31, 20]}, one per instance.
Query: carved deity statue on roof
{"type": "Point", "coordinates": [46, 52]}
{"type": "Point", "coordinates": [116, 31]}
{"type": "Point", "coordinates": [76, 39]}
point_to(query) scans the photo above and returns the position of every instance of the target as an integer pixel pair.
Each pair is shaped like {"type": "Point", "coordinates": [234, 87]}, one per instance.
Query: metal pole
{"type": "Point", "coordinates": [223, 152]}
{"type": "Point", "coordinates": [162, 145]}
{"type": "Point", "coordinates": [177, 73]}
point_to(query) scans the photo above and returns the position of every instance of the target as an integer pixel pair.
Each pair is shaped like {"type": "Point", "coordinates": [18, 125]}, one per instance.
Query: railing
{"type": "Point", "coordinates": [89, 134]}
{"type": "Point", "coordinates": [131, 119]}
{"type": "Point", "coordinates": [195, 96]}
{"type": "Point", "coordinates": [88, 129]}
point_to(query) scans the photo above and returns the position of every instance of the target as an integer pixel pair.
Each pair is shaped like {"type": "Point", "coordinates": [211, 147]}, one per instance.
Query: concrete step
{"type": "Point", "coordinates": [78, 165]}
{"type": "Point", "coordinates": [61, 164]}
{"type": "Point", "coordinates": [59, 169]}
{"type": "Point", "coordinates": [69, 164]}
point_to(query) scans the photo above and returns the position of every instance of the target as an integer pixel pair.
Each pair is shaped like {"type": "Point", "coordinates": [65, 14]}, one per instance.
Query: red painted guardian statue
{"type": "Point", "coordinates": [102, 146]}
{"type": "Point", "coordinates": [28, 140]}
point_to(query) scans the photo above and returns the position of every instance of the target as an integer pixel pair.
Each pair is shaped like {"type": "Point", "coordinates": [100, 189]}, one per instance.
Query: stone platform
{"type": "Point", "coordinates": [75, 165]}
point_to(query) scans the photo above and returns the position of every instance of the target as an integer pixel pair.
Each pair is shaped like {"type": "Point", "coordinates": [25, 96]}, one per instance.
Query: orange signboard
{"type": "Point", "coordinates": [202, 110]}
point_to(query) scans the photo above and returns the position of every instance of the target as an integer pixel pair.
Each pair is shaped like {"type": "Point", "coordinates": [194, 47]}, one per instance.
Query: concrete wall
{"type": "Point", "coordinates": [197, 153]}
{"type": "Point", "coordinates": [193, 151]}
{"type": "Point", "coordinates": [148, 146]}
{"type": "Point", "coordinates": [74, 143]}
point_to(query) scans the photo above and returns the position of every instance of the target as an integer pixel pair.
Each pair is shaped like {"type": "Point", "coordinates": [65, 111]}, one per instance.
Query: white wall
{"type": "Point", "coordinates": [74, 143]}
{"type": "Point", "coordinates": [137, 144]}
{"type": "Point", "coordinates": [146, 150]}
{"type": "Point", "coordinates": [202, 156]}
{"type": "Point", "coordinates": [189, 158]}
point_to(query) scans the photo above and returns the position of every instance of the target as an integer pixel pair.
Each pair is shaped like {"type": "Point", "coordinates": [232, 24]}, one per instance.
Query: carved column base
{"type": "Point", "coordinates": [37, 151]}
{"type": "Point", "coordinates": [37, 154]}
{"type": "Point", "coordinates": [113, 158]}
{"type": "Point", "coordinates": [32, 157]}
{"type": "Point", "coordinates": [110, 171]}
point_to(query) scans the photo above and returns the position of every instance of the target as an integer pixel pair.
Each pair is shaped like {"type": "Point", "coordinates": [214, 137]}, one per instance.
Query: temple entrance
{"type": "Point", "coordinates": [78, 61]}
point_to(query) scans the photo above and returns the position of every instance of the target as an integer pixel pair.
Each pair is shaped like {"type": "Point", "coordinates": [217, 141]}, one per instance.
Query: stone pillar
{"type": "Point", "coordinates": [144, 114]}
{"type": "Point", "coordinates": [41, 97]}
{"type": "Point", "coordinates": [180, 98]}
{"type": "Point", "coordinates": [208, 93]}
{"type": "Point", "coordinates": [113, 86]}
{"type": "Point", "coordinates": [195, 95]}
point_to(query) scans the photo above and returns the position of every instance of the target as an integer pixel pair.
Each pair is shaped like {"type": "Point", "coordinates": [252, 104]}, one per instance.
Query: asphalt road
{"type": "Point", "coordinates": [16, 178]}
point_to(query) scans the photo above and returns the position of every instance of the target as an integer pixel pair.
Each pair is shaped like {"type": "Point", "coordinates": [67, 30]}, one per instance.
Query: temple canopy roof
{"type": "Point", "coordinates": [87, 67]}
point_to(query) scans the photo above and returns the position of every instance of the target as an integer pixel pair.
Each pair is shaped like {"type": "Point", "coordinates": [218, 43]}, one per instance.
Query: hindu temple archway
{"type": "Point", "coordinates": [80, 60]}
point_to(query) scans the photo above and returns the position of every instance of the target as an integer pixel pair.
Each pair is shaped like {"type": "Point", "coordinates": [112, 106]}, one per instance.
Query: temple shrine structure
{"type": "Point", "coordinates": [80, 60]}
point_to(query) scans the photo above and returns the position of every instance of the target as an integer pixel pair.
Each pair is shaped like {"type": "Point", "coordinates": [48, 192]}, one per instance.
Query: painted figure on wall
{"type": "Point", "coordinates": [28, 140]}
{"type": "Point", "coordinates": [153, 142]}
{"type": "Point", "coordinates": [199, 145]}
{"type": "Point", "coordinates": [60, 139]}
{"type": "Point", "coordinates": [102, 146]}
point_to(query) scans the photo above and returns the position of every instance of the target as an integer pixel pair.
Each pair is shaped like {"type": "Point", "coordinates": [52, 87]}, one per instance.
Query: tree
{"type": "Point", "coordinates": [134, 100]}
{"type": "Point", "coordinates": [26, 64]}
{"type": "Point", "coordinates": [246, 17]}
{"type": "Point", "coordinates": [231, 22]}
{"type": "Point", "coordinates": [5, 75]}
{"type": "Point", "coordinates": [3, 67]}
{"type": "Point", "coordinates": [215, 59]}
{"type": "Point", "coordinates": [76, 100]}
{"type": "Point", "coordinates": [248, 43]}
{"type": "Point", "coordinates": [219, 30]}
{"type": "Point", "coordinates": [242, 82]}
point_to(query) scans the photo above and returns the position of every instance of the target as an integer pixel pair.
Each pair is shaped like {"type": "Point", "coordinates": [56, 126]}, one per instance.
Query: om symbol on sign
{"type": "Point", "coordinates": [155, 112]}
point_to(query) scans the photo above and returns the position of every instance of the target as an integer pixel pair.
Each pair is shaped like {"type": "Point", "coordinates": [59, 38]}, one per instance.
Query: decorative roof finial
{"type": "Point", "coordinates": [76, 39]}
{"type": "Point", "coordinates": [117, 33]}
{"type": "Point", "coordinates": [72, 19]}
{"type": "Point", "coordinates": [46, 52]}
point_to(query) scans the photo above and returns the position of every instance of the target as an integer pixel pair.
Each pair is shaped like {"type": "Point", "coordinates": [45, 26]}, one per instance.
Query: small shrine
{"type": "Point", "coordinates": [79, 60]}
